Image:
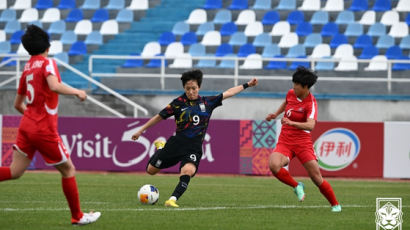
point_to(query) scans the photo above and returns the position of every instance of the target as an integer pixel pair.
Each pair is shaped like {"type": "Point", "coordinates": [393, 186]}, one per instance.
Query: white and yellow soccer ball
{"type": "Point", "coordinates": [148, 194]}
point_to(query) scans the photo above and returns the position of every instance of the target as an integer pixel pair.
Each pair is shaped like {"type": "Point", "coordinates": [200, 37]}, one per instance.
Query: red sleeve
{"type": "Point", "coordinates": [51, 69]}
{"type": "Point", "coordinates": [22, 86]}
{"type": "Point", "coordinates": [312, 109]}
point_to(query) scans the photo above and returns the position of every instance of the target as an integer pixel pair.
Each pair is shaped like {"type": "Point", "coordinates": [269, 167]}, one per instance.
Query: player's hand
{"type": "Point", "coordinates": [286, 121]}
{"type": "Point", "coordinates": [271, 116]}
{"type": "Point", "coordinates": [82, 95]}
{"type": "Point", "coordinates": [253, 82]}
{"type": "Point", "coordinates": [136, 135]}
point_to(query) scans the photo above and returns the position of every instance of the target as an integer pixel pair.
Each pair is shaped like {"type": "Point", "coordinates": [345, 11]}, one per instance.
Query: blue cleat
{"type": "Point", "coordinates": [336, 208]}
{"type": "Point", "coordinates": [299, 191]}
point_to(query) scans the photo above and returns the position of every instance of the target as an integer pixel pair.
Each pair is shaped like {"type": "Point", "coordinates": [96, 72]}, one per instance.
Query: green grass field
{"type": "Point", "coordinates": [36, 201]}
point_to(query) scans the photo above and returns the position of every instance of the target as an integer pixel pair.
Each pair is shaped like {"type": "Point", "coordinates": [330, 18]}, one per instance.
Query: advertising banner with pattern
{"type": "Point", "coordinates": [396, 150]}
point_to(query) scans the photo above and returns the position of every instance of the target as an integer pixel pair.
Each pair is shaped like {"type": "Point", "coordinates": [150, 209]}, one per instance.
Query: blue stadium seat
{"type": "Point", "coordinates": [16, 37]}
{"type": "Point", "coordinates": [407, 20]}
{"type": "Point", "coordinates": [180, 28]}
{"type": "Point", "coordinates": [37, 23]}
{"type": "Point", "coordinates": [369, 52]}
{"type": "Point", "coordinates": [320, 18]}
{"type": "Point", "coordinates": [377, 29]}
{"type": "Point", "coordinates": [12, 26]}
{"type": "Point", "coordinates": [238, 5]}
{"type": "Point", "coordinates": [223, 16]}
{"type": "Point", "coordinates": [296, 17]}
{"type": "Point", "coordinates": [246, 49]}
{"type": "Point", "coordinates": [57, 27]}
{"type": "Point", "coordinates": [385, 42]}
{"type": "Point", "coordinates": [354, 29]}
{"type": "Point", "coordinates": [207, 63]}
{"type": "Point", "coordinates": [77, 48]}
{"type": "Point", "coordinates": [156, 63]}
{"type": "Point", "coordinates": [66, 4]}
{"type": "Point", "coordinates": [312, 40]}
{"type": "Point", "coordinates": [325, 65]}
{"type": "Point", "coordinates": [238, 39]}
{"type": "Point", "coordinates": [188, 38]}
{"type": "Point", "coordinates": [133, 63]}
{"type": "Point", "coordinates": [5, 47]}
{"type": "Point", "coordinates": [304, 29]}
{"type": "Point", "coordinates": [91, 5]}
{"type": "Point", "coordinates": [125, 15]}
{"type": "Point", "coordinates": [12, 63]}
{"type": "Point", "coordinates": [197, 49]}
{"type": "Point", "coordinates": [43, 4]}
{"type": "Point", "coordinates": [204, 28]}
{"type": "Point", "coordinates": [272, 65]}
{"type": "Point", "coordinates": [75, 15]}
{"type": "Point", "coordinates": [359, 5]}
{"type": "Point", "coordinates": [94, 38]}
{"type": "Point", "coordinates": [270, 18]}
{"type": "Point", "coordinates": [382, 5]}
{"type": "Point", "coordinates": [115, 5]}
{"type": "Point", "coordinates": [68, 37]}
{"type": "Point", "coordinates": [228, 29]}
{"type": "Point", "coordinates": [363, 41]}
{"type": "Point", "coordinates": [63, 56]}
{"type": "Point", "coordinates": [212, 4]}
{"type": "Point", "coordinates": [296, 51]}
{"type": "Point", "coordinates": [286, 5]}
{"type": "Point", "coordinates": [294, 65]}
{"type": "Point", "coordinates": [100, 15]}
{"type": "Point", "coordinates": [8, 15]}
{"type": "Point", "coordinates": [262, 5]}
{"type": "Point", "coordinates": [329, 29]}
{"type": "Point", "coordinates": [405, 42]}
{"type": "Point", "coordinates": [401, 66]}
{"type": "Point", "coordinates": [223, 50]}
{"type": "Point", "coordinates": [394, 52]}
{"type": "Point", "coordinates": [337, 40]}
{"type": "Point", "coordinates": [345, 17]}
{"type": "Point", "coordinates": [166, 38]}
{"type": "Point", "coordinates": [227, 63]}
{"type": "Point", "coordinates": [262, 40]}
{"type": "Point", "coordinates": [271, 50]}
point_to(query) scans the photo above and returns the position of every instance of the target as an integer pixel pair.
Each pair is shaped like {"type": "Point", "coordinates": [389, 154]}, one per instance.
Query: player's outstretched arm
{"type": "Point", "coordinates": [280, 110]}
{"type": "Point", "coordinates": [60, 88]}
{"type": "Point", "coordinates": [153, 121]}
{"type": "Point", "coordinates": [237, 89]}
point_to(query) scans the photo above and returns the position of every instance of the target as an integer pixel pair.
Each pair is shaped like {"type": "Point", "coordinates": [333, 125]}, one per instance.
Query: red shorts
{"type": "Point", "coordinates": [304, 152]}
{"type": "Point", "coordinates": [50, 147]}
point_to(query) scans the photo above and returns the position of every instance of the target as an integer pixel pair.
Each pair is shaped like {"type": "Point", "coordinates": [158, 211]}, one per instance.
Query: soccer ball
{"type": "Point", "coordinates": [148, 194]}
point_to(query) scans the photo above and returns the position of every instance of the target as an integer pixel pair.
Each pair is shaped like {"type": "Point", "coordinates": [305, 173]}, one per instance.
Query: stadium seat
{"type": "Point", "coordinates": [183, 61]}
{"type": "Point", "coordinates": [354, 29]}
{"type": "Point", "coordinates": [310, 5]}
{"type": "Point", "coordinates": [43, 4]}
{"type": "Point", "coordinates": [115, 5]}
{"type": "Point", "coordinates": [405, 42]}
{"type": "Point", "coordinates": [125, 15]}
{"type": "Point", "coordinates": [296, 64]}
{"type": "Point", "coordinates": [295, 17]}
{"type": "Point", "coordinates": [37, 23]}
{"type": "Point", "coordinates": [133, 63]}
{"type": "Point", "coordinates": [347, 64]}
{"type": "Point", "coordinates": [377, 30]}
{"type": "Point", "coordinates": [12, 26]}
{"type": "Point", "coordinates": [385, 41]}
{"type": "Point", "coordinates": [344, 50]}
{"type": "Point", "coordinates": [212, 4]}
{"type": "Point", "coordinates": [2, 35]}
{"type": "Point", "coordinates": [57, 27]}
{"type": "Point", "coordinates": [77, 48]}
{"type": "Point", "coordinates": [51, 15]}
{"type": "Point", "coordinates": [320, 18]}
{"type": "Point", "coordinates": [403, 6]}
{"type": "Point", "coordinates": [362, 41]}
{"type": "Point", "coordinates": [334, 5]}
{"type": "Point", "coordinates": [345, 17]}
{"type": "Point", "coordinates": [312, 40]}
{"type": "Point", "coordinates": [254, 29]}
{"type": "Point", "coordinates": [273, 65]}
{"type": "Point", "coordinates": [382, 5]}
{"type": "Point", "coordinates": [224, 49]}
{"type": "Point", "coordinates": [330, 29]}
{"type": "Point", "coordinates": [286, 5]}
{"type": "Point", "coordinates": [180, 28]}
{"type": "Point", "coordinates": [359, 5]}
{"type": "Point", "coordinates": [138, 5]}
{"type": "Point", "coordinates": [212, 38]}
{"type": "Point", "coordinates": [262, 5]}
{"type": "Point", "coordinates": [196, 50]}
{"type": "Point", "coordinates": [238, 5]}
{"type": "Point", "coordinates": [66, 4]}
{"type": "Point", "coordinates": [337, 40]}
{"type": "Point", "coordinates": [407, 20]}
{"type": "Point", "coordinates": [394, 52]}
{"type": "Point", "coordinates": [288, 40]}
{"type": "Point", "coordinates": [166, 38]}
{"type": "Point", "coordinates": [270, 18]}
{"type": "Point", "coordinates": [245, 17]}
{"type": "Point", "coordinates": [197, 16]}
{"type": "Point", "coordinates": [206, 63]}
{"type": "Point", "coordinates": [399, 30]}
{"type": "Point", "coordinates": [223, 16]}
{"type": "Point", "coordinates": [246, 50]}
{"type": "Point", "coordinates": [16, 37]}
{"type": "Point", "coordinates": [21, 50]}
{"type": "Point", "coordinates": [304, 29]}
{"type": "Point", "coordinates": [369, 52]}
{"type": "Point", "coordinates": [63, 56]}
{"type": "Point", "coordinates": [228, 29]}
{"type": "Point", "coordinates": [21, 4]}
{"type": "Point", "coordinates": [326, 66]}
{"type": "Point", "coordinates": [156, 63]}
{"type": "Point", "coordinates": [94, 38]}
{"type": "Point", "coordinates": [91, 5]}
{"type": "Point", "coordinates": [100, 15]}
{"type": "Point", "coordinates": [75, 15]}
{"type": "Point", "coordinates": [188, 38]}
{"type": "Point", "coordinates": [262, 40]}
{"type": "Point", "coordinates": [321, 50]}
{"type": "Point", "coordinates": [253, 61]}
{"type": "Point", "coordinates": [271, 50]}
{"type": "Point", "coordinates": [238, 39]}
{"type": "Point", "coordinates": [68, 37]}
{"type": "Point", "coordinates": [3, 5]}
{"type": "Point", "coordinates": [55, 47]}
{"type": "Point", "coordinates": [390, 18]}
{"type": "Point", "coordinates": [205, 27]}
{"type": "Point", "coordinates": [5, 47]}
{"type": "Point", "coordinates": [227, 63]}
{"type": "Point", "coordinates": [368, 18]}
{"type": "Point", "coordinates": [174, 49]}
{"type": "Point", "coordinates": [296, 51]}
{"type": "Point", "coordinates": [8, 15]}
{"type": "Point", "coordinates": [109, 27]}
{"type": "Point", "coordinates": [83, 27]}
{"type": "Point", "coordinates": [29, 15]}
{"type": "Point", "coordinates": [378, 63]}
{"type": "Point", "coordinates": [151, 49]}
{"type": "Point", "coordinates": [280, 28]}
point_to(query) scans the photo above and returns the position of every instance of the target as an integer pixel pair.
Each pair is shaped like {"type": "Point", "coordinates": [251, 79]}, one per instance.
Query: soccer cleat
{"type": "Point", "coordinates": [87, 218]}
{"type": "Point", "coordinates": [159, 144]}
{"type": "Point", "coordinates": [336, 208]}
{"type": "Point", "coordinates": [171, 203]}
{"type": "Point", "coordinates": [299, 191]}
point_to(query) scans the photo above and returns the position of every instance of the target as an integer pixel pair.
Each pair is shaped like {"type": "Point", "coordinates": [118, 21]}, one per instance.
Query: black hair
{"type": "Point", "coordinates": [304, 77]}
{"type": "Point", "coordinates": [35, 40]}
{"type": "Point", "coordinates": [195, 75]}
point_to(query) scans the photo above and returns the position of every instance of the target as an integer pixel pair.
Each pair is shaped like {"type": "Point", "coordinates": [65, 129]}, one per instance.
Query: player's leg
{"type": "Point", "coordinates": [277, 161]}
{"type": "Point", "coordinates": [151, 170]}
{"type": "Point", "coordinates": [187, 171]}
{"type": "Point", "coordinates": [17, 168]}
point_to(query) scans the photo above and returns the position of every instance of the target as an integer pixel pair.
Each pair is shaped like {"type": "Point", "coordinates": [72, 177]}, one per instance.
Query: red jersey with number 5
{"type": "Point", "coordinates": [298, 110]}
{"type": "Point", "coordinates": [42, 103]}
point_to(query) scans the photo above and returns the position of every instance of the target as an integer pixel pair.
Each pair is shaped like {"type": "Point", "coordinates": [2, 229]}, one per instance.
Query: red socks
{"type": "Point", "coordinates": [71, 193]}
{"type": "Point", "coordinates": [327, 191]}
{"type": "Point", "coordinates": [5, 173]}
{"type": "Point", "coordinates": [284, 176]}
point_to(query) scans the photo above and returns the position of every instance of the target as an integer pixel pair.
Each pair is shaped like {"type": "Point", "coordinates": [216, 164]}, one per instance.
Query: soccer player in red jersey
{"type": "Point", "coordinates": [40, 85]}
{"type": "Point", "coordinates": [295, 140]}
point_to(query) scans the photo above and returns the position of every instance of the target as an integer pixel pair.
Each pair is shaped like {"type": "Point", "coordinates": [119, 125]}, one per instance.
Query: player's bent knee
{"type": "Point", "coordinates": [151, 170]}
{"type": "Point", "coordinates": [16, 174]}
